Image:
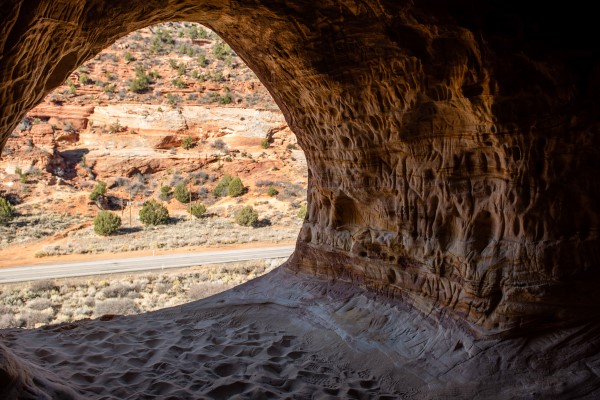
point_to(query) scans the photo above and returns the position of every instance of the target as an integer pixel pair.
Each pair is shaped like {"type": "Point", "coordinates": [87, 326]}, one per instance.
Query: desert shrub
{"type": "Point", "coordinates": [272, 191]}
{"type": "Point", "coordinates": [138, 85]}
{"type": "Point", "coordinates": [196, 32]}
{"type": "Point", "coordinates": [197, 210]}
{"type": "Point", "coordinates": [22, 175]}
{"type": "Point", "coordinates": [7, 321]}
{"type": "Point", "coordinates": [302, 212]}
{"type": "Point", "coordinates": [225, 99]}
{"type": "Point", "coordinates": [84, 79]}
{"type": "Point", "coordinates": [154, 75]}
{"type": "Point", "coordinates": [203, 290]}
{"type": "Point", "coordinates": [7, 211]}
{"type": "Point", "coordinates": [68, 127]}
{"type": "Point", "coordinates": [72, 89]}
{"type": "Point", "coordinates": [43, 285]}
{"type": "Point", "coordinates": [265, 143]}
{"type": "Point", "coordinates": [162, 287]}
{"type": "Point", "coordinates": [173, 100]}
{"type": "Point", "coordinates": [265, 182]}
{"type": "Point", "coordinates": [116, 307]}
{"type": "Point", "coordinates": [99, 190]}
{"type": "Point", "coordinates": [117, 289]}
{"type": "Point", "coordinates": [24, 125]}
{"type": "Point", "coordinates": [223, 186]}
{"type": "Point", "coordinates": [219, 144]}
{"type": "Point", "coordinates": [175, 179]}
{"type": "Point", "coordinates": [235, 187]}
{"type": "Point", "coordinates": [221, 49]}
{"type": "Point", "coordinates": [179, 83]}
{"type": "Point", "coordinates": [199, 177]}
{"type": "Point", "coordinates": [246, 216]}
{"type": "Point", "coordinates": [39, 304]}
{"type": "Point", "coordinates": [153, 213]}
{"type": "Point", "coordinates": [187, 143]}
{"type": "Point", "coordinates": [141, 82]}
{"type": "Point", "coordinates": [202, 193]}
{"type": "Point", "coordinates": [128, 57]}
{"type": "Point", "coordinates": [106, 223]}
{"type": "Point", "coordinates": [164, 193]}
{"type": "Point", "coordinates": [181, 193]}
{"type": "Point", "coordinates": [89, 301]}
{"type": "Point", "coordinates": [30, 319]}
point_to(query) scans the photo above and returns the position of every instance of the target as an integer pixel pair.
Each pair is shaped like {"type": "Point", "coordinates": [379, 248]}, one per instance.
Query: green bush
{"type": "Point", "coordinates": [265, 143]}
{"type": "Point", "coordinates": [164, 193]}
{"type": "Point", "coordinates": [181, 193]}
{"type": "Point", "coordinates": [153, 213]}
{"type": "Point", "coordinates": [179, 83]}
{"type": "Point", "coordinates": [138, 85]}
{"type": "Point", "coordinates": [22, 175]}
{"type": "Point", "coordinates": [128, 57]}
{"type": "Point", "coordinates": [7, 211]}
{"type": "Point", "coordinates": [246, 216]}
{"type": "Point", "coordinates": [272, 191]}
{"type": "Point", "coordinates": [116, 127]}
{"type": "Point", "coordinates": [223, 186]}
{"type": "Point", "coordinates": [173, 100]}
{"type": "Point", "coordinates": [106, 223]}
{"type": "Point", "coordinates": [221, 49]}
{"type": "Point", "coordinates": [302, 212]}
{"type": "Point", "coordinates": [225, 99]}
{"type": "Point", "coordinates": [187, 143]}
{"type": "Point", "coordinates": [198, 210]}
{"type": "Point", "coordinates": [84, 79]}
{"type": "Point", "coordinates": [99, 190]}
{"type": "Point", "coordinates": [235, 187]}
{"type": "Point", "coordinates": [141, 82]}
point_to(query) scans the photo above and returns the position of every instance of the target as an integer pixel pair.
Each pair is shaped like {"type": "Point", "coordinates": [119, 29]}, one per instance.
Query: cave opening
{"type": "Point", "coordinates": [168, 114]}
{"type": "Point", "coordinates": [464, 140]}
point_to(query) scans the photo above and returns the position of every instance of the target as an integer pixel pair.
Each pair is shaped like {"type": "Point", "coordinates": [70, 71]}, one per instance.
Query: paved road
{"type": "Point", "coordinates": [49, 271]}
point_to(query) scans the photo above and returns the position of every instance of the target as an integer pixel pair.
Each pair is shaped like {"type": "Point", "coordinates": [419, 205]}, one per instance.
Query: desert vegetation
{"type": "Point", "coordinates": [37, 303]}
{"type": "Point", "coordinates": [7, 211]}
{"type": "Point", "coordinates": [247, 216]}
{"type": "Point", "coordinates": [72, 182]}
{"type": "Point", "coordinates": [106, 223]}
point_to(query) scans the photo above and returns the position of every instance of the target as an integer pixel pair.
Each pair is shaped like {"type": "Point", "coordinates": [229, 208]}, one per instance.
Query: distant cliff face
{"type": "Point", "coordinates": [453, 150]}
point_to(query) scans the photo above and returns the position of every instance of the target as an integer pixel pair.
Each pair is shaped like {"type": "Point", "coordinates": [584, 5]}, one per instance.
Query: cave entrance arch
{"type": "Point", "coordinates": [122, 137]}
{"type": "Point", "coordinates": [484, 106]}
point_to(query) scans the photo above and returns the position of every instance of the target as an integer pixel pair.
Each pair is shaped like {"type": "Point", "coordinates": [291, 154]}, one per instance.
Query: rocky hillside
{"type": "Point", "coordinates": [167, 104]}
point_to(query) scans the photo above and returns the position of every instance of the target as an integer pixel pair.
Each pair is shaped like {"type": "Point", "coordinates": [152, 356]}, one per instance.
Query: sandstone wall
{"type": "Point", "coordinates": [452, 148]}
{"type": "Point", "coordinates": [198, 121]}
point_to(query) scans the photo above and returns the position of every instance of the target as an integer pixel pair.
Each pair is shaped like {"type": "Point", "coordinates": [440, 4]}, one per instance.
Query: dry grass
{"type": "Point", "coordinates": [31, 227]}
{"type": "Point", "coordinates": [30, 305]}
{"type": "Point", "coordinates": [213, 231]}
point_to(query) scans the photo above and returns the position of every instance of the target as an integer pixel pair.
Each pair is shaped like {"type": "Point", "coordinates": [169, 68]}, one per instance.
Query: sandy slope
{"type": "Point", "coordinates": [285, 336]}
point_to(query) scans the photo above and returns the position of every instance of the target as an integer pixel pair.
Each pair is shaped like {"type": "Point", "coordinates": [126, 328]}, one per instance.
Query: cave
{"type": "Point", "coordinates": [452, 152]}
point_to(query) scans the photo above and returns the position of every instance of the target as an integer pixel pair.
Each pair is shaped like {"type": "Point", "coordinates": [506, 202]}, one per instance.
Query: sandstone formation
{"type": "Point", "coordinates": [452, 148]}
{"type": "Point", "coordinates": [196, 121]}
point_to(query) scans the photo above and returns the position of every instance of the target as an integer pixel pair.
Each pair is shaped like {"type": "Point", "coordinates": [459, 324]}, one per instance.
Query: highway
{"type": "Point", "coordinates": [147, 263]}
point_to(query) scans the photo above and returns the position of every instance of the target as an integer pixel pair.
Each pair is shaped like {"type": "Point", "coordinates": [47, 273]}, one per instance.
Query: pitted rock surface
{"type": "Point", "coordinates": [453, 151]}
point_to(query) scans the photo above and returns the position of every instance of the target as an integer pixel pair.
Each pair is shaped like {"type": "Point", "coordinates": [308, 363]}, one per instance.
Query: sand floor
{"type": "Point", "coordinates": [290, 337]}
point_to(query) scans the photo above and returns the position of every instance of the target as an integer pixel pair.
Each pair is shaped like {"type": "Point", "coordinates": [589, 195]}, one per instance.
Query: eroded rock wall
{"type": "Point", "coordinates": [452, 149]}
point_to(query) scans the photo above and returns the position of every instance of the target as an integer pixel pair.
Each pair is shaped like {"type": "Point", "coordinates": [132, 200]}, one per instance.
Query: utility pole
{"type": "Point", "coordinates": [130, 206]}
{"type": "Point", "coordinates": [190, 201]}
